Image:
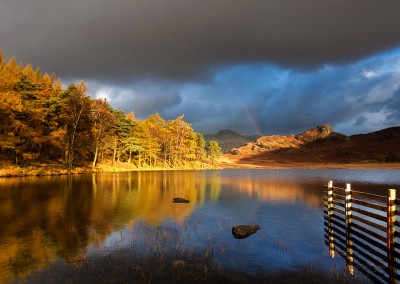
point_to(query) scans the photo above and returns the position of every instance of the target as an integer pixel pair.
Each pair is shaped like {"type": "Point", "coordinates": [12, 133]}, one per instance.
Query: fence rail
{"type": "Point", "coordinates": [362, 228]}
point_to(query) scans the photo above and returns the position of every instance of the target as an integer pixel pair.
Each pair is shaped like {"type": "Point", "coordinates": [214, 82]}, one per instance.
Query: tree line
{"type": "Point", "coordinates": [43, 122]}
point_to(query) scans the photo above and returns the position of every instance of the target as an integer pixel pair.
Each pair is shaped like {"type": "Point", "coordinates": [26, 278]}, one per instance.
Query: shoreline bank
{"type": "Point", "coordinates": [55, 170]}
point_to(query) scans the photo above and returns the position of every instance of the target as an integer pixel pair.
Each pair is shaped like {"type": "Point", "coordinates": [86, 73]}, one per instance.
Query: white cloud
{"type": "Point", "coordinates": [381, 92]}
{"type": "Point", "coordinates": [368, 73]}
{"type": "Point", "coordinates": [104, 93]}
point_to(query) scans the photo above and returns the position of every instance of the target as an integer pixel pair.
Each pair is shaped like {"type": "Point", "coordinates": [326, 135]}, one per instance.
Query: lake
{"type": "Point", "coordinates": [124, 227]}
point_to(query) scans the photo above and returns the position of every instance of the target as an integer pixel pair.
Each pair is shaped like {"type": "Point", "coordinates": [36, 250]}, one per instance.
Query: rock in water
{"type": "Point", "coordinates": [243, 231]}
{"type": "Point", "coordinates": [180, 200]}
{"type": "Point", "coordinates": [178, 264]}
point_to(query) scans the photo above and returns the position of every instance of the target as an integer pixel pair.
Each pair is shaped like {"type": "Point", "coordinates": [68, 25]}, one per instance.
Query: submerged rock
{"type": "Point", "coordinates": [179, 264]}
{"type": "Point", "coordinates": [180, 200]}
{"type": "Point", "coordinates": [243, 231]}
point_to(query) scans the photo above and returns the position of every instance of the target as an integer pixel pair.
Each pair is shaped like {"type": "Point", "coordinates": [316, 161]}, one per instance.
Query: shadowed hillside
{"type": "Point", "coordinates": [320, 145]}
{"type": "Point", "coordinates": [227, 139]}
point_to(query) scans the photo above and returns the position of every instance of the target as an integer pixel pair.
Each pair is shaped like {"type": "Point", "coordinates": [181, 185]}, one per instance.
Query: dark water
{"type": "Point", "coordinates": [124, 228]}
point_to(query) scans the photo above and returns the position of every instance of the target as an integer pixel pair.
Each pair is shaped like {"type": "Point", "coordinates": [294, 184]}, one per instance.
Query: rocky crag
{"type": "Point", "coordinates": [321, 144]}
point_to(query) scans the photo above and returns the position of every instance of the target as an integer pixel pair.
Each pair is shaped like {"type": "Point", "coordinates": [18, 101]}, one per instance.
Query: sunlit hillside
{"type": "Point", "coordinates": [320, 145]}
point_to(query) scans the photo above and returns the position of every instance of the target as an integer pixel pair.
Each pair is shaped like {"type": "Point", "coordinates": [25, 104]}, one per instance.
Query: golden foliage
{"type": "Point", "coordinates": [42, 121]}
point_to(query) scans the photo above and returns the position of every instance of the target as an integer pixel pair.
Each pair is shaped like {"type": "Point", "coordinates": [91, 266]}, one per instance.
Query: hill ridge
{"type": "Point", "coordinates": [321, 144]}
{"type": "Point", "coordinates": [228, 139]}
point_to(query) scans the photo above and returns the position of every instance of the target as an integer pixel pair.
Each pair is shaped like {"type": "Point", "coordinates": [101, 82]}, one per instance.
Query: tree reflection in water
{"type": "Point", "coordinates": [124, 227]}
{"type": "Point", "coordinates": [47, 218]}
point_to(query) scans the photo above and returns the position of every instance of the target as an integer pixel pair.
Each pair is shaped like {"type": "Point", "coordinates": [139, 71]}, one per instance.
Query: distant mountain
{"type": "Point", "coordinates": [321, 145]}
{"type": "Point", "coordinates": [228, 139]}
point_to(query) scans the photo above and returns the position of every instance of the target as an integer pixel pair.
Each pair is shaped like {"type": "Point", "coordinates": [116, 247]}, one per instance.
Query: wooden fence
{"type": "Point", "coordinates": [362, 228]}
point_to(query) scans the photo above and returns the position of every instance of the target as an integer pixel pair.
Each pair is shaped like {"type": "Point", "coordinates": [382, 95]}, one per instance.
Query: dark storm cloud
{"type": "Point", "coordinates": [272, 67]}
{"type": "Point", "coordinates": [353, 98]}
{"type": "Point", "coordinates": [393, 109]}
{"type": "Point", "coordinates": [126, 40]}
{"type": "Point", "coordinates": [340, 96]}
{"type": "Point", "coordinates": [360, 120]}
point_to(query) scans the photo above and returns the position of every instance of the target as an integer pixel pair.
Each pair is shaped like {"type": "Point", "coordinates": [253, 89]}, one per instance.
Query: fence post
{"type": "Point", "coordinates": [349, 241]}
{"type": "Point", "coordinates": [391, 229]}
{"type": "Point", "coordinates": [330, 224]}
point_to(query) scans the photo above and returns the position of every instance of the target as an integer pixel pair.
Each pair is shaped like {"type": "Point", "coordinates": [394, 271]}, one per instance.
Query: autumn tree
{"type": "Point", "coordinates": [42, 120]}
{"type": "Point", "coordinates": [181, 140]}
{"type": "Point", "coordinates": [189, 146]}
{"type": "Point", "coordinates": [201, 147]}
{"type": "Point", "coordinates": [214, 150]}
{"type": "Point", "coordinates": [23, 109]}
{"type": "Point", "coordinates": [76, 114]}
{"type": "Point", "coordinates": [122, 132]}
{"type": "Point", "coordinates": [132, 145]}
{"type": "Point", "coordinates": [147, 133]}
{"type": "Point", "coordinates": [30, 117]}
{"type": "Point", "coordinates": [7, 139]}
{"type": "Point", "coordinates": [2, 58]}
{"type": "Point", "coordinates": [9, 75]}
{"type": "Point", "coordinates": [103, 125]}
{"type": "Point", "coordinates": [153, 140]}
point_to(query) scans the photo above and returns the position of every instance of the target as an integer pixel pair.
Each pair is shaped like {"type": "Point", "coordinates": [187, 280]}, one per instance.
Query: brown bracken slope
{"type": "Point", "coordinates": [319, 146]}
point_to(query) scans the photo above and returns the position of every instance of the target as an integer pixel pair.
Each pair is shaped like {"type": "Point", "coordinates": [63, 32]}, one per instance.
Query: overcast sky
{"type": "Point", "coordinates": [253, 66]}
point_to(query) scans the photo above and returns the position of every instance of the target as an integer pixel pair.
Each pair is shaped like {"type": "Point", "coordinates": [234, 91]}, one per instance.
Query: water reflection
{"type": "Point", "coordinates": [57, 217]}
{"type": "Point", "coordinates": [51, 220]}
{"type": "Point", "coordinates": [267, 190]}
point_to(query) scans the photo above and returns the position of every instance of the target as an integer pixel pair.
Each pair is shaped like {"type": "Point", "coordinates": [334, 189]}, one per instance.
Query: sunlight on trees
{"type": "Point", "coordinates": [215, 150]}
{"type": "Point", "coordinates": [42, 122]}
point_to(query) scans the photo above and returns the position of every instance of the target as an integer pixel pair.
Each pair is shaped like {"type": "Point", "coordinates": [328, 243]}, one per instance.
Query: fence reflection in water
{"type": "Point", "coordinates": [362, 228]}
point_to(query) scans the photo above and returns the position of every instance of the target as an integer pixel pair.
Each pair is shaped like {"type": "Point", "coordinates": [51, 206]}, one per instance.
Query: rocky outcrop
{"type": "Point", "coordinates": [319, 132]}
{"type": "Point", "coordinates": [235, 151]}
{"type": "Point", "coordinates": [243, 231]}
{"type": "Point", "coordinates": [278, 142]}
{"type": "Point", "coordinates": [319, 145]}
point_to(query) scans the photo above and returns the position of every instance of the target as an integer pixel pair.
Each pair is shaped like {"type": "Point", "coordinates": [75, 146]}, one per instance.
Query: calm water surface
{"type": "Point", "coordinates": [112, 227]}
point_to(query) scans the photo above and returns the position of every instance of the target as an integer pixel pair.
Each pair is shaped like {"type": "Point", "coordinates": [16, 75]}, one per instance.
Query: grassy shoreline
{"type": "Point", "coordinates": [8, 171]}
